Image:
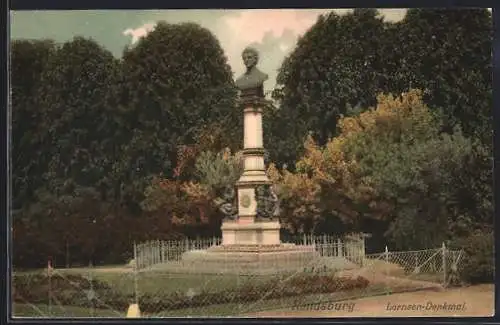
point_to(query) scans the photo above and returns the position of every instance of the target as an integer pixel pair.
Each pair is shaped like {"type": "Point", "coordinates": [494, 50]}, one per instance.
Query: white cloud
{"type": "Point", "coordinates": [284, 47]}
{"type": "Point", "coordinates": [139, 32]}
{"type": "Point", "coordinates": [274, 32]}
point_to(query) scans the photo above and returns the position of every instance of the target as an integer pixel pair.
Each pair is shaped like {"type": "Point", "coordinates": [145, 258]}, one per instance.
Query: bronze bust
{"type": "Point", "coordinates": [251, 82]}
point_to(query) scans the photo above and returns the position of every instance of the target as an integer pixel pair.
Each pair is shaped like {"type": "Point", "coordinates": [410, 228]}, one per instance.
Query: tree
{"type": "Point", "coordinates": [72, 133]}
{"type": "Point", "coordinates": [28, 63]}
{"type": "Point", "coordinates": [391, 163]}
{"type": "Point", "coordinates": [76, 121]}
{"type": "Point", "coordinates": [342, 62]}
{"type": "Point", "coordinates": [334, 68]}
{"type": "Point", "coordinates": [174, 83]}
{"type": "Point", "coordinates": [448, 54]}
{"type": "Point", "coordinates": [195, 202]}
{"type": "Point", "coordinates": [299, 200]}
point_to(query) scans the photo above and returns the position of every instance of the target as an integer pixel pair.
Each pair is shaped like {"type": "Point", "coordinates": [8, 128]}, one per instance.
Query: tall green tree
{"type": "Point", "coordinates": [174, 83]}
{"type": "Point", "coordinates": [334, 69]}
{"type": "Point", "coordinates": [448, 54]}
{"type": "Point", "coordinates": [342, 62]}
{"type": "Point", "coordinates": [74, 129]}
{"type": "Point", "coordinates": [76, 120]}
{"type": "Point", "coordinates": [28, 63]}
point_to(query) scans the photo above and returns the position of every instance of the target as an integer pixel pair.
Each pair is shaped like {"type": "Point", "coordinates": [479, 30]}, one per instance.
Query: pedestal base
{"type": "Point", "coordinates": [250, 259]}
{"type": "Point", "coordinates": [247, 232]}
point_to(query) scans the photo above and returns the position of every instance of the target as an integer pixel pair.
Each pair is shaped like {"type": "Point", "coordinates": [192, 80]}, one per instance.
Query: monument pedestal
{"type": "Point", "coordinates": [248, 232]}
{"type": "Point", "coordinates": [250, 259]}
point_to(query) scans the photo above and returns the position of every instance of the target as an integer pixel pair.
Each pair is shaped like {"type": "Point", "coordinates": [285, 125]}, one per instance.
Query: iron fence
{"type": "Point", "coordinates": [155, 252]}
{"type": "Point", "coordinates": [331, 276]}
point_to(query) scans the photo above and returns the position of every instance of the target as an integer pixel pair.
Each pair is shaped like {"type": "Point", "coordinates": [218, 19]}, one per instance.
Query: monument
{"type": "Point", "coordinates": [251, 229]}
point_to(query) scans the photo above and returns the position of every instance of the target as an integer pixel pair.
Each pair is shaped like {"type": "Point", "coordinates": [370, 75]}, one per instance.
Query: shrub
{"type": "Point", "coordinates": [477, 264]}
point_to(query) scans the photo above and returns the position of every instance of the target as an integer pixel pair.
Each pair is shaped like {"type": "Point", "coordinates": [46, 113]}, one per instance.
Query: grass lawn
{"type": "Point", "coordinates": [214, 310]}
{"type": "Point", "coordinates": [150, 282]}
{"type": "Point", "coordinates": [37, 311]}
{"type": "Point", "coordinates": [160, 281]}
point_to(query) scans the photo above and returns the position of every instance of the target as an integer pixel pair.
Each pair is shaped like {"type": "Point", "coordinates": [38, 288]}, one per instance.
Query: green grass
{"type": "Point", "coordinates": [157, 281]}
{"type": "Point", "coordinates": [231, 309]}
{"type": "Point", "coordinates": [151, 282]}
{"type": "Point", "coordinates": [29, 310]}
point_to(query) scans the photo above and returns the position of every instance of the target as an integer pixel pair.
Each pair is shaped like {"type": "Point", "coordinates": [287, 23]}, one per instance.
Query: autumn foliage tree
{"type": "Point", "coordinates": [195, 202]}
{"type": "Point", "coordinates": [299, 200]}
{"type": "Point", "coordinates": [391, 163]}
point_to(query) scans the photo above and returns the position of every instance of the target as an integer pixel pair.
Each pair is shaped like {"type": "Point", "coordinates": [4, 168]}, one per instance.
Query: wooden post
{"type": "Point", "coordinates": [67, 254]}
{"type": "Point", "coordinates": [136, 278]}
{"type": "Point", "coordinates": [340, 248]}
{"type": "Point", "coordinates": [133, 311]}
{"type": "Point", "coordinates": [444, 264]}
{"type": "Point", "coordinates": [386, 261]}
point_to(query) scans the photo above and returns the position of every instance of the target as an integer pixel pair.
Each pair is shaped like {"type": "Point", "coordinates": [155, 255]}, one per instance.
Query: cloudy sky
{"type": "Point", "coordinates": [273, 31]}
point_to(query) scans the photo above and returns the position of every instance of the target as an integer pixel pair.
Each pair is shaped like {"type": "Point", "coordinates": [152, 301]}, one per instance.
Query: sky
{"type": "Point", "coordinates": [274, 32]}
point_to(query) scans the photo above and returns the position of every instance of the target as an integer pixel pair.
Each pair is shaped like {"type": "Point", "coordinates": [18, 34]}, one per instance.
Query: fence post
{"type": "Point", "coordinates": [49, 275]}
{"type": "Point", "coordinates": [158, 252]}
{"type": "Point", "coordinates": [150, 253]}
{"type": "Point", "coordinates": [67, 254]}
{"type": "Point", "coordinates": [340, 250]}
{"type": "Point", "coordinates": [162, 252]}
{"type": "Point", "coordinates": [363, 250]}
{"type": "Point", "coordinates": [153, 253]}
{"type": "Point", "coordinates": [444, 264]}
{"type": "Point", "coordinates": [136, 275]}
{"type": "Point", "coordinates": [386, 261]}
{"type": "Point", "coordinates": [187, 244]}
{"type": "Point", "coordinates": [90, 294]}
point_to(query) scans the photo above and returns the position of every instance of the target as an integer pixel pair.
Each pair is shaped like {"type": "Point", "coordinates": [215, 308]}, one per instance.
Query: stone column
{"type": "Point", "coordinates": [254, 173]}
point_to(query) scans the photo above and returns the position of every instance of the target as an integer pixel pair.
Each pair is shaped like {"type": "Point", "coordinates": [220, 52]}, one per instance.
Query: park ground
{"type": "Point", "coordinates": [479, 301]}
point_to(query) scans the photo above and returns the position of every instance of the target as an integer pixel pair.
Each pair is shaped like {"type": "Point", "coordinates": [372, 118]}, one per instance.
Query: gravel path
{"type": "Point", "coordinates": [476, 301]}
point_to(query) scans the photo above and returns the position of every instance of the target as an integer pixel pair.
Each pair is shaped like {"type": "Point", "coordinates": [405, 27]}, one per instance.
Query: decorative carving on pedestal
{"type": "Point", "coordinates": [267, 203]}
{"type": "Point", "coordinates": [227, 204]}
{"type": "Point", "coordinates": [245, 201]}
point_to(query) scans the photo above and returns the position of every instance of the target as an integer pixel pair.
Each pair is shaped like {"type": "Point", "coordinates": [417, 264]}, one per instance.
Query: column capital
{"type": "Point", "coordinates": [253, 102]}
{"type": "Point", "coordinates": [252, 184]}
{"type": "Point", "coordinates": [253, 151]}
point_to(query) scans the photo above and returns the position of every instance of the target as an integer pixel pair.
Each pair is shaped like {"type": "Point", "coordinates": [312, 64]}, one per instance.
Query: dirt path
{"type": "Point", "coordinates": [475, 301]}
